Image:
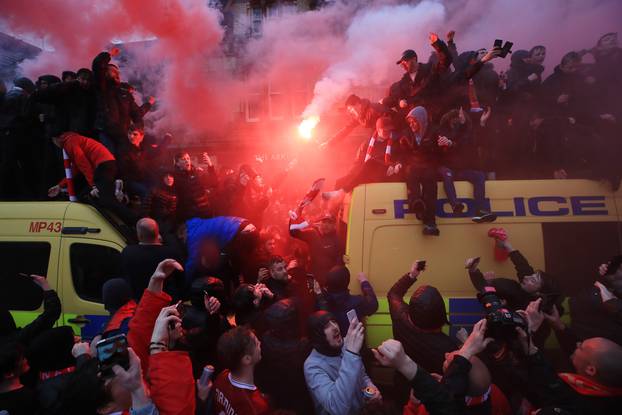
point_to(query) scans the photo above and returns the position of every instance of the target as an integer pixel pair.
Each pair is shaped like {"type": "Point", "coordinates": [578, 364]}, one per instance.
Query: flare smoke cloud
{"type": "Point", "coordinates": [342, 46]}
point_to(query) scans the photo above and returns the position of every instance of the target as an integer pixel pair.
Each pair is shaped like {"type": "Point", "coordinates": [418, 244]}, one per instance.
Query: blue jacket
{"type": "Point", "coordinates": [221, 228]}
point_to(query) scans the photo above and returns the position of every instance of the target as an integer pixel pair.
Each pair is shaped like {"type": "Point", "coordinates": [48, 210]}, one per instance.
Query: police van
{"type": "Point", "coordinates": [566, 227]}
{"type": "Point", "coordinates": [77, 247]}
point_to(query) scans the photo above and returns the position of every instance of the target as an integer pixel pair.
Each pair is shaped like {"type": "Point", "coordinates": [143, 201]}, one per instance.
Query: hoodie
{"type": "Point", "coordinates": [422, 144]}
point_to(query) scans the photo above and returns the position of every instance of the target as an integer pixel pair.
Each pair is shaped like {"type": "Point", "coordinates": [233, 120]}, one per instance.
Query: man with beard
{"type": "Point", "coordinates": [334, 370]}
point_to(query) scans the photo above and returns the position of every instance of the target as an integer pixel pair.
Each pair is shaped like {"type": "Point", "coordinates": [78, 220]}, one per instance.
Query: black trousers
{"type": "Point", "coordinates": [421, 183]}
{"type": "Point", "coordinates": [370, 172]}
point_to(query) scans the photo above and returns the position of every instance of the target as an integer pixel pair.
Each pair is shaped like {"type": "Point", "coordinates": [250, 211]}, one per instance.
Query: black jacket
{"type": "Point", "coordinates": [591, 318]}
{"type": "Point", "coordinates": [137, 163]}
{"type": "Point", "coordinates": [547, 390]}
{"type": "Point", "coordinates": [425, 88]}
{"type": "Point", "coordinates": [325, 251]}
{"type": "Point", "coordinates": [463, 152]}
{"type": "Point", "coordinates": [192, 196]}
{"type": "Point", "coordinates": [280, 372]}
{"type": "Point", "coordinates": [45, 320]}
{"type": "Point", "coordinates": [116, 107]}
{"type": "Point", "coordinates": [571, 84]}
{"type": "Point", "coordinates": [75, 106]}
{"type": "Point", "coordinates": [427, 348]}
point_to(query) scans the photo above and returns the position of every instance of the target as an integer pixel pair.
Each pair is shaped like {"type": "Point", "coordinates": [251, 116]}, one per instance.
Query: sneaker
{"type": "Point", "coordinates": [458, 208]}
{"type": "Point", "coordinates": [484, 217]}
{"type": "Point", "coordinates": [431, 230]}
{"type": "Point", "coordinates": [418, 207]}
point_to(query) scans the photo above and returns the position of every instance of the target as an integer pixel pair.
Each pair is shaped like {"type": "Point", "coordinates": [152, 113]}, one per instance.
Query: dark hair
{"type": "Point", "coordinates": [85, 71]}
{"type": "Point", "coordinates": [277, 259]}
{"type": "Point", "coordinates": [136, 127]}
{"type": "Point", "coordinates": [68, 74]}
{"type": "Point", "coordinates": [243, 303]}
{"type": "Point", "coordinates": [180, 155]}
{"type": "Point", "coordinates": [533, 50]}
{"type": "Point", "coordinates": [353, 100]}
{"type": "Point", "coordinates": [234, 345]}
{"type": "Point", "coordinates": [11, 353]}
{"type": "Point", "coordinates": [571, 57]}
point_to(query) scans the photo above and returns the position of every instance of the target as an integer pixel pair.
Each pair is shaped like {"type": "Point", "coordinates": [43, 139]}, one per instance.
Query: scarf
{"type": "Point", "coordinates": [55, 373]}
{"type": "Point", "coordinates": [588, 387]}
{"type": "Point", "coordinates": [387, 151]}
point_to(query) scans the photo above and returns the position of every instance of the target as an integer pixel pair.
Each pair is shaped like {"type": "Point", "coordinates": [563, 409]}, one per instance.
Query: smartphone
{"type": "Point", "coordinates": [181, 309]}
{"type": "Point", "coordinates": [498, 43]}
{"type": "Point", "coordinates": [310, 282]}
{"type": "Point", "coordinates": [352, 315]}
{"type": "Point", "coordinates": [421, 265]}
{"type": "Point", "coordinates": [475, 263]}
{"type": "Point", "coordinates": [112, 351]}
{"type": "Point", "coordinates": [507, 48]}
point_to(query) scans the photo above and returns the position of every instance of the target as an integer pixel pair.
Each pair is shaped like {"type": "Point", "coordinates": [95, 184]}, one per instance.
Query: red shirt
{"type": "Point", "coordinates": [236, 398]}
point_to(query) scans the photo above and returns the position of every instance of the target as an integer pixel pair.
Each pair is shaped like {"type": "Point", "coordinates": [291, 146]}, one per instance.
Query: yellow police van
{"type": "Point", "coordinates": [566, 227]}
{"type": "Point", "coordinates": [74, 245]}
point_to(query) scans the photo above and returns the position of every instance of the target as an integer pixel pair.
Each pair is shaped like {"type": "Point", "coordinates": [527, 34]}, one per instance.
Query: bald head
{"type": "Point", "coordinates": [148, 231]}
{"type": "Point", "coordinates": [601, 359]}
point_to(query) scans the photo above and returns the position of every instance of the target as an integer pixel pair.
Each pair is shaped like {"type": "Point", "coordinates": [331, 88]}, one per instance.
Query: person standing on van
{"type": "Point", "coordinates": [99, 168]}
{"type": "Point", "coordinates": [421, 170]}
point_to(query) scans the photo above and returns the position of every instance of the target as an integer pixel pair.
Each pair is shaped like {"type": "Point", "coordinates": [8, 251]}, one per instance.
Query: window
{"type": "Point", "coordinates": [20, 293]}
{"type": "Point", "coordinates": [256, 20]}
{"type": "Point", "coordinates": [91, 267]}
{"type": "Point", "coordinates": [255, 103]}
{"type": "Point", "coordinates": [277, 103]}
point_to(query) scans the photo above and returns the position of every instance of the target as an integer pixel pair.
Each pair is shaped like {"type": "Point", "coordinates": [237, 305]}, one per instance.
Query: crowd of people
{"type": "Point", "coordinates": [219, 311]}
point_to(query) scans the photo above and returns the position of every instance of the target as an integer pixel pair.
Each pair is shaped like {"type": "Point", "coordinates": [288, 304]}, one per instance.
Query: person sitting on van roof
{"type": "Point", "coordinates": [418, 325]}
{"type": "Point", "coordinates": [378, 160]}
{"type": "Point", "coordinates": [338, 300]}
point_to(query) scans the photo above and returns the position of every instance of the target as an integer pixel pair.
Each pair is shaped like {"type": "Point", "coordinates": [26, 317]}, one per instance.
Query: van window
{"type": "Point", "coordinates": [17, 292]}
{"type": "Point", "coordinates": [91, 266]}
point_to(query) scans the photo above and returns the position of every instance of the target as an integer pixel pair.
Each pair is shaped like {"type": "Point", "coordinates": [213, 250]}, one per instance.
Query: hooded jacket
{"type": "Point", "coordinates": [418, 324]}
{"type": "Point", "coordinates": [280, 372]}
{"type": "Point", "coordinates": [338, 300]}
{"type": "Point", "coordinates": [335, 377]}
{"type": "Point", "coordinates": [191, 190]}
{"type": "Point", "coordinates": [463, 152]}
{"type": "Point", "coordinates": [422, 149]}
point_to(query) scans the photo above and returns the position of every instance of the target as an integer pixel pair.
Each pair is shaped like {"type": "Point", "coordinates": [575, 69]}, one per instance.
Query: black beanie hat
{"type": "Point", "coordinates": [116, 293]}
{"type": "Point", "coordinates": [282, 319]}
{"type": "Point", "coordinates": [427, 308]}
{"type": "Point", "coordinates": [338, 279]}
{"type": "Point", "coordinates": [316, 324]}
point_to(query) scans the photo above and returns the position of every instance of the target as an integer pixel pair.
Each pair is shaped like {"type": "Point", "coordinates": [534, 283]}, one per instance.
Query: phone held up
{"type": "Point", "coordinates": [420, 265]}
{"type": "Point", "coordinates": [112, 351]}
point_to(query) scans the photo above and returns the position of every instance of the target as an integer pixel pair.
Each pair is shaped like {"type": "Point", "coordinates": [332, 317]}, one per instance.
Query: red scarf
{"type": "Point", "coordinates": [387, 151]}
{"type": "Point", "coordinates": [588, 387]}
{"type": "Point", "coordinates": [54, 373]}
{"type": "Point", "coordinates": [117, 319]}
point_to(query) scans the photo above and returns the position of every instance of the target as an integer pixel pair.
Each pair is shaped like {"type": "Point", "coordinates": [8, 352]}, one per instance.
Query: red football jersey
{"type": "Point", "coordinates": [236, 398]}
